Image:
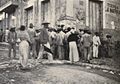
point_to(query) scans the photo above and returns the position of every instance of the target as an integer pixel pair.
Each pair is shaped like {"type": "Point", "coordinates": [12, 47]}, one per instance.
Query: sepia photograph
{"type": "Point", "coordinates": [59, 41]}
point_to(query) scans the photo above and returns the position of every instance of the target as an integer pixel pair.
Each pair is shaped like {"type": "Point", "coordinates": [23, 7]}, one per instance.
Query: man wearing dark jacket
{"type": "Point", "coordinates": [12, 38]}
{"type": "Point", "coordinates": [87, 44]}
{"type": "Point", "coordinates": [44, 41]}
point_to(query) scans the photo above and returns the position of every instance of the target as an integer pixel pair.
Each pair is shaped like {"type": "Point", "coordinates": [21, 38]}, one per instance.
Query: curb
{"type": "Point", "coordinates": [103, 67]}
{"type": "Point", "coordinates": [94, 66]}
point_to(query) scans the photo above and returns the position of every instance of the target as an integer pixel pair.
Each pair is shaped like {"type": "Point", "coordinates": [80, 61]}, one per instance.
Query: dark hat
{"type": "Point", "coordinates": [62, 25]}
{"type": "Point", "coordinates": [45, 22]}
{"type": "Point", "coordinates": [22, 28]}
{"type": "Point", "coordinates": [109, 36]}
{"type": "Point", "coordinates": [69, 28]}
{"type": "Point", "coordinates": [12, 28]}
{"type": "Point", "coordinates": [81, 29]}
{"type": "Point", "coordinates": [58, 25]}
{"type": "Point", "coordinates": [37, 30]}
{"type": "Point", "coordinates": [31, 25]}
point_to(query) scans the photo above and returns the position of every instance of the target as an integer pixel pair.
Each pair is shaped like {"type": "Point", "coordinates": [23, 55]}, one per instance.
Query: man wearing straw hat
{"type": "Point", "coordinates": [44, 41]}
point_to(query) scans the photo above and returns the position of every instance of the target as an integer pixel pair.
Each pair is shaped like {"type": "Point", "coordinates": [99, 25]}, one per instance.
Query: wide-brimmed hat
{"type": "Point", "coordinates": [81, 29]}
{"type": "Point", "coordinates": [45, 22]}
{"type": "Point", "coordinates": [12, 28]}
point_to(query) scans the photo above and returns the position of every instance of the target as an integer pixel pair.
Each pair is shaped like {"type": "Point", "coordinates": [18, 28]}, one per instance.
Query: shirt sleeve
{"type": "Point", "coordinates": [27, 36]}
{"type": "Point", "coordinates": [99, 41]}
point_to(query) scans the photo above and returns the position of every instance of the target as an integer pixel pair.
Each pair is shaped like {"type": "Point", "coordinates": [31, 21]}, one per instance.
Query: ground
{"type": "Point", "coordinates": [56, 74]}
{"type": "Point", "coordinates": [59, 73]}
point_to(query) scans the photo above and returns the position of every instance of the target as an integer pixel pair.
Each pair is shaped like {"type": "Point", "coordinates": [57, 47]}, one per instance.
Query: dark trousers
{"type": "Point", "coordinates": [12, 46]}
{"type": "Point", "coordinates": [33, 49]}
{"type": "Point", "coordinates": [37, 47]}
{"type": "Point", "coordinates": [87, 53]}
{"type": "Point", "coordinates": [53, 49]}
{"type": "Point", "coordinates": [66, 51]}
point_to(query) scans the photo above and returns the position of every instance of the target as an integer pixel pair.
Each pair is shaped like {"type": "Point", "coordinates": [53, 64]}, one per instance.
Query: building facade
{"type": "Point", "coordinates": [99, 15]}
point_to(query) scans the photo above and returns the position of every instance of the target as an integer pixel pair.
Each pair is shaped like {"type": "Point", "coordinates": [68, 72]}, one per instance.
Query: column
{"type": "Point", "coordinates": [69, 8]}
{"type": "Point", "coordinates": [36, 13]}
{"type": "Point", "coordinates": [52, 4]}
{"type": "Point", "coordinates": [8, 21]}
{"type": "Point", "coordinates": [87, 12]}
{"type": "Point", "coordinates": [5, 21]}
{"type": "Point", "coordinates": [104, 15]}
{"type": "Point", "coordinates": [22, 12]}
{"type": "Point", "coordinates": [39, 13]}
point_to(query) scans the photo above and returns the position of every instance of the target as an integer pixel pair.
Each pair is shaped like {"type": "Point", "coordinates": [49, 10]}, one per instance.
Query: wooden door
{"type": "Point", "coordinates": [45, 10]}
{"type": "Point", "coordinates": [29, 16]}
{"type": "Point", "coordinates": [95, 15]}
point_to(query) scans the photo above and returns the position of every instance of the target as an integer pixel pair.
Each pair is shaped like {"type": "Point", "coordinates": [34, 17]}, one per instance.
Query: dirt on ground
{"type": "Point", "coordinates": [48, 74]}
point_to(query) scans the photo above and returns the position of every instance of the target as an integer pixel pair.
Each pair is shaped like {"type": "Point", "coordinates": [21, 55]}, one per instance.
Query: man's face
{"type": "Point", "coordinates": [82, 32]}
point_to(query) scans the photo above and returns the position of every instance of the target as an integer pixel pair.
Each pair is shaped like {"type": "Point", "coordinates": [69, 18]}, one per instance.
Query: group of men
{"type": "Point", "coordinates": [53, 42]}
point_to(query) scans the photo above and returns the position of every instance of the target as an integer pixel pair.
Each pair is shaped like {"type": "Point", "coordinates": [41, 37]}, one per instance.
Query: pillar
{"type": "Point", "coordinates": [39, 13]}
{"type": "Point", "coordinates": [5, 21]}
{"type": "Point", "coordinates": [104, 16]}
{"type": "Point", "coordinates": [52, 2]}
{"type": "Point", "coordinates": [22, 12]}
{"type": "Point", "coordinates": [69, 8]}
{"type": "Point", "coordinates": [87, 12]}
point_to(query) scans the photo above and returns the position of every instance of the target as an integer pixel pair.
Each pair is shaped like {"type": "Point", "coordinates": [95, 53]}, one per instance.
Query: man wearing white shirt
{"type": "Point", "coordinates": [96, 44]}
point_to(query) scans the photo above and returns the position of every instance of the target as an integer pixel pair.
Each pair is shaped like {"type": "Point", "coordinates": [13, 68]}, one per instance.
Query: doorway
{"type": "Point", "coordinates": [29, 16]}
{"type": "Point", "coordinates": [95, 15]}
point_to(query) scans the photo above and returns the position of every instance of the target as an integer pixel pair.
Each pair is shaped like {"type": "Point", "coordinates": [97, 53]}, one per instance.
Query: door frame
{"type": "Point", "coordinates": [103, 12]}
{"type": "Point", "coordinates": [100, 15]}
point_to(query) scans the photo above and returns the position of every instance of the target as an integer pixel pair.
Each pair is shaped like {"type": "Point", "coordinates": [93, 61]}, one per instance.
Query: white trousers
{"type": "Point", "coordinates": [42, 51]}
{"type": "Point", "coordinates": [24, 53]}
{"type": "Point", "coordinates": [73, 52]}
{"type": "Point", "coordinates": [95, 51]}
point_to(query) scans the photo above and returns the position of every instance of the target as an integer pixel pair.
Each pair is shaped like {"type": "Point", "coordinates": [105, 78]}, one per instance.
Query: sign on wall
{"type": "Point", "coordinates": [112, 14]}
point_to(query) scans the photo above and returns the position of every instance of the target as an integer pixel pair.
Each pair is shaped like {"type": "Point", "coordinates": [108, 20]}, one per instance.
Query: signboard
{"type": "Point", "coordinates": [112, 14]}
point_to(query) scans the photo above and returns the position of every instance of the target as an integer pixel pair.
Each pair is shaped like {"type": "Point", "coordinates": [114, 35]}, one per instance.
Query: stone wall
{"type": "Point", "coordinates": [112, 12]}
{"type": "Point", "coordinates": [112, 18]}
